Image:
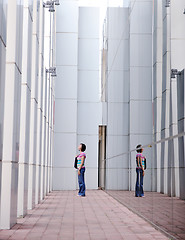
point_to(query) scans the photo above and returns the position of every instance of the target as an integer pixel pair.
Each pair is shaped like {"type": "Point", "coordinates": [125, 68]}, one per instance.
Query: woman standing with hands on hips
{"type": "Point", "coordinates": [81, 169]}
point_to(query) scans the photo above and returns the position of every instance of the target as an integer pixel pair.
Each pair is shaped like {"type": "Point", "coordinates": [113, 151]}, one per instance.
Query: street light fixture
{"type": "Point", "coordinates": [56, 2]}
{"type": "Point", "coordinates": [52, 70]}
{"type": "Point", "coordinates": [167, 3]}
{"type": "Point", "coordinates": [50, 4]}
{"type": "Point", "coordinates": [174, 72]}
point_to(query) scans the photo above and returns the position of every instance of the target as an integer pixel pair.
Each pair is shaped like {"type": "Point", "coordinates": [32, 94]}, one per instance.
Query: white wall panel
{"type": "Point", "coordinates": [140, 44]}
{"type": "Point", "coordinates": [10, 151]}
{"type": "Point", "coordinates": [67, 17]}
{"type": "Point", "coordinates": [111, 178]}
{"type": "Point", "coordinates": [67, 43]}
{"type": "Point", "coordinates": [89, 54]}
{"type": "Point", "coordinates": [157, 114]}
{"type": "Point", "coordinates": [3, 21]}
{"type": "Point", "coordinates": [90, 112]}
{"type": "Point", "coordinates": [66, 84]}
{"type": "Point", "coordinates": [141, 11]}
{"type": "Point", "coordinates": [141, 117]}
{"type": "Point", "coordinates": [88, 82]}
{"type": "Point", "coordinates": [118, 125]}
{"type": "Point", "coordinates": [64, 178]}
{"type": "Point", "coordinates": [91, 178]}
{"type": "Point", "coordinates": [165, 110]}
{"type": "Point", "coordinates": [116, 145]}
{"type": "Point", "coordinates": [177, 17]}
{"type": "Point", "coordinates": [122, 179]}
{"type": "Point", "coordinates": [89, 108]}
{"type": "Point", "coordinates": [20, 62]}
{"type": "Point", "coordinates": [115, 54]}
{"type": "Point", "coordinates": [118, 98]}
{"type": "Point", "coordinates": [157, 83]}
{"type": "Point", "coordinates": [115, 23]}
{"type": "Point", "coordinates": [166, 72]}
{"type": "Point", "coordinates": [65, 115]}
{"type": "Point", "coordinates": [177, 51]}
{"type": "Point", "coordinates": [63, 151]}
{"type": "Point", "coordinates": [118, 87]}
{"type": "Point", "coordinates": [88, 22]}
{"type": "Point", "coordinates": [140, 80]}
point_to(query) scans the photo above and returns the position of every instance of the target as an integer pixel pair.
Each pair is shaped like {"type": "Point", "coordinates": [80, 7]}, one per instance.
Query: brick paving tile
{"type": "Point", "coordinates": [166, 212]}
{"type": "Point", "coordinates": [64, 216]}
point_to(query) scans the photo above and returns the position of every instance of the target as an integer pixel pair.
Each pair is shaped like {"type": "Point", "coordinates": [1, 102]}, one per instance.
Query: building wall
{"type": "Point", "coordinates": [3, 43]}
{"type": "Point", "coordinates": [77, 112]}
{"type": "Point", "coordinates": [88, 109]}
{"type": "Point", "coordinates": [155, 43]}
{"type": "Point", "coordinates": [117, 97]}
{"type": "Point", "coordinates": [177, 62]}
{"type": "Point", "coordinates": [11, 115]}
{"type": "Point", "coordinates": [157, 88]}
{"type": "Point", "coordinates": [141, 121]}
{"type": "Point", "coordinates": [65, 131]}
{"type": "Point", "coordinates": [168, 43]}
{"type": "Point", "coordinates": [138, 97]}
{"type": "Point", "coordinates": [129, 92]}
{"type": "Point", "coordinates": [26, 108]}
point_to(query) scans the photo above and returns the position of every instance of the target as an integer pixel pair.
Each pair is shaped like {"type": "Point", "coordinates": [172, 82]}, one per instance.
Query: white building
{"type": "Point", "coordinates": [114, 89]}
{"type": "Point", "coordinates": [26, 107]}
{"type": "Point", "coordinates": [123, 88]}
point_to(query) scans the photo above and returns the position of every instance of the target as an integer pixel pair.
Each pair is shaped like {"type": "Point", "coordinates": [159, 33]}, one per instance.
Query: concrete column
{"type": "Point", "coordinates": [65, 131]}
{"type": "Point", "coordinates": [173, 188]}
{"type": "Point", "coordinates": [43, 153]}
{"type": "Point", "coordinates": [165, 98]}
{"type": "Point", "coordinates": [3, 42]}
{"type": "Point", "coordinates": [10, 152]}
{"type": "Point", "coordinates": [88, 102]}
{"type": "Point", "coordinates": [117, 96]}
{"type": "Point", "coordinates": [25, 110]}
{"type": "Point", "coordinates": [157, 89]}
{"type": "Point", "coordinates": [177, 62]}
{"type": "Point", "coordinates": [140, 104]}
{"type": "Point", "coordinates": [34, 107]}
{"type": "Point", "coordinates": [181, 128]}
{"type": "Point", "coordinates": [40, 109]}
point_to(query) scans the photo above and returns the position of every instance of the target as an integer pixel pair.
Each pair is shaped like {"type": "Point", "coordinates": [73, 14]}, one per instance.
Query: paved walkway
{"type": "Point", "coordinates": [63, 215]}
{"type": "Point", "coordinates": [166, 212]}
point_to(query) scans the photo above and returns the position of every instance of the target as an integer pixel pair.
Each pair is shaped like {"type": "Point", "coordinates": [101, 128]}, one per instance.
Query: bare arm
{"type": "Point", "coordinates": [138, 161]}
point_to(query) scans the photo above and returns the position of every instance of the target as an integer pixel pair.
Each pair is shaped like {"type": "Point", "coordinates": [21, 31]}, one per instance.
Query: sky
{"type": "Point", "coordinates": [101, 3]}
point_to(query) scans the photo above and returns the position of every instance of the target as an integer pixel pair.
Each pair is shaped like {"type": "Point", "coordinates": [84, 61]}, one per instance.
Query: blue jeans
{"type": "Point", "coordinates": [81, 182]}
{"type": "Point", "coordinates": [139, 183]}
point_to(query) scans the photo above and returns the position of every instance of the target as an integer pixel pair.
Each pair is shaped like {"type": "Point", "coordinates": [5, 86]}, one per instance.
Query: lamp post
{"type": "Point", "coordinates": [51, 70]}
{"type": "Point", "coordinates": [51, 4]}
{"type": "Point", "coordinates": [174, 72]}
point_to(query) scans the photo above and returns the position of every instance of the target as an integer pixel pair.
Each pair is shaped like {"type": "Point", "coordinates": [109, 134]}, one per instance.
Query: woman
{"type": "Point", "coordinates": [139, 171]}
{"type": "Point", "coordinates": [81, 169]}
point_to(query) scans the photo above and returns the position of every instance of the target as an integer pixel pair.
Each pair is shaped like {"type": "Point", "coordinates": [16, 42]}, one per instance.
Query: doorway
{"type": "Point", "coordinates": [102, 157]}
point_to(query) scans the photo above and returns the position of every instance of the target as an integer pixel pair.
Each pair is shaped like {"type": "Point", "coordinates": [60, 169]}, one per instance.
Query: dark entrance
{"type": "Point", "coordinates": [102, 157]}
